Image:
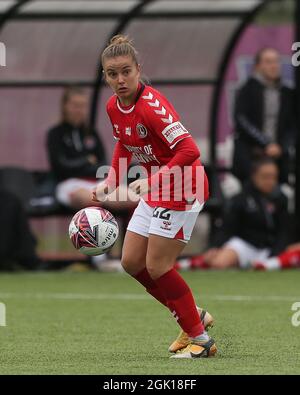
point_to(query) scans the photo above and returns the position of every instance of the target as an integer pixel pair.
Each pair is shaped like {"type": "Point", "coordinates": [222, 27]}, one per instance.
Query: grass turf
{"type": "Point", "coordinates": [93, 323]}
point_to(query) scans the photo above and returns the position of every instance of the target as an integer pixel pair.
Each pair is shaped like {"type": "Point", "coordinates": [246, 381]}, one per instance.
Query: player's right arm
{"type": "Point", "coordinates": [120, 161]}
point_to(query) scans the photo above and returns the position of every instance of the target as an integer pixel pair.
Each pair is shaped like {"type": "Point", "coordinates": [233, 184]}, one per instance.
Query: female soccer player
{"type": "Point", "coordinates": [147, 128]}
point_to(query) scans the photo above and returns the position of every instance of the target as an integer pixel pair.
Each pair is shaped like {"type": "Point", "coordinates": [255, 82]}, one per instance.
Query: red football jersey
{"type": "Point", "coordinates": [150, 129]}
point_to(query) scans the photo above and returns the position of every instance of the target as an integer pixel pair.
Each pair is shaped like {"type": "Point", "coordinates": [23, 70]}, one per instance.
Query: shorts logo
{"type": "Point", "coordinates": [166, 225]}
{"type": "Point", "coordinates": [141, 130]}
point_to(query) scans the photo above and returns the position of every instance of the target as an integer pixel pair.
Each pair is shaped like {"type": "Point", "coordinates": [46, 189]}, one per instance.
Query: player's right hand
{"type": "Point", "coordinates": [101, 192]}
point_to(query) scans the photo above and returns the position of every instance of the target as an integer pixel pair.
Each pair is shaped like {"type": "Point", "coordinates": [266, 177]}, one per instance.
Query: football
{"type": "Point", "coordinates": [93, 230]}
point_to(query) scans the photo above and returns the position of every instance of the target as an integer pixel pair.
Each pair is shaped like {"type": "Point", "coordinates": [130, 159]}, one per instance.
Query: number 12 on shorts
{"type": "Point", "coordinates": [162, 213]}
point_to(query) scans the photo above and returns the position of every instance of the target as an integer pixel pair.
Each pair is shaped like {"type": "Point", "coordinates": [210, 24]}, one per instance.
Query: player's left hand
{"type": "Point", "coordinates": [140, 186]}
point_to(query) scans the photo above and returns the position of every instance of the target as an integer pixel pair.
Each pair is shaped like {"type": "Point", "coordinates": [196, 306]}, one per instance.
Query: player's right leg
{"type": "Point", "coordinates": [134, 253]}
{"type": "Point", "coordinates": [135, 249]}
{"type": "Point", "coordinates": [134, 263]}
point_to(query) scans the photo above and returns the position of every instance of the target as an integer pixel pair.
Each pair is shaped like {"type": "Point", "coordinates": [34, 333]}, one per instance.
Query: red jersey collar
{"type": "Point", "coordinates": [130, 108]}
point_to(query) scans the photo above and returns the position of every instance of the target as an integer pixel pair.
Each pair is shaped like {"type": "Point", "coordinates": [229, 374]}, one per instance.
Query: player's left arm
{"type": "Point", "coordinates": [185, 153]}
{"type": "Point", "coordinates": [161, 118]}
{"type": "Point", "coordinates": [165, 123]}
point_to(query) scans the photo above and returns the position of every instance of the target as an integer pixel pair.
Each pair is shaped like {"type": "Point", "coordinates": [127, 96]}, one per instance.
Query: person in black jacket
{"type": "Point", "coordinates": [75, 154]}
{"type": "Point", "coordinates": [255, 223]}
{"type": "Point", "coordinates": [264, 118]}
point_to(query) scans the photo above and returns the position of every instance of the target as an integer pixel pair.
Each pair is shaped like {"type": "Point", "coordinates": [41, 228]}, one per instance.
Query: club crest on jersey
{"type": "Point", "coordinates": [141, 130]}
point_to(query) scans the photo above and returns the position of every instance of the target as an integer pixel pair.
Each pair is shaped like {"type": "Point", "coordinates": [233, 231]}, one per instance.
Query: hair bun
{"type": "Point", "coordinates": [120, 45]}
{"type": "Point", "coordinates": [120, 39]}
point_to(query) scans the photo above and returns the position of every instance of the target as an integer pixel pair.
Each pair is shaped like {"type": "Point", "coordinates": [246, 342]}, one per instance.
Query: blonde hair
{"type": "Point", "coordinates": [120, 45]}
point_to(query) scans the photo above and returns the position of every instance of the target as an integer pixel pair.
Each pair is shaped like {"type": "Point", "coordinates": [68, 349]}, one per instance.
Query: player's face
{"type": "Point", "coordinates": [76, 110]}
{"type": "Point", "coordinates": [122, 74]}
{"type": "Point", "coordinates": [266, 178]}
{"type": "Point", "coordinates": [269, 65]}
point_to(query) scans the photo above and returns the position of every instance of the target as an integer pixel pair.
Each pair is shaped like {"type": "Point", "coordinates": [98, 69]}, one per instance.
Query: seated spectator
{"type": "Point", "coordinates": [264, 117]}
{"type": "Point", "coordinates": [75, 153]}
{"type": "Point", "coordinates": [254, 225]}
{"type": "Point", "coordinates": [18, 244]}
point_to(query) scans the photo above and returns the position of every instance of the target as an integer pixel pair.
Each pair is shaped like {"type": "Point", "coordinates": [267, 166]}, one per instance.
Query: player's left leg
{"type": "Point", "coordinates": [161, 256]}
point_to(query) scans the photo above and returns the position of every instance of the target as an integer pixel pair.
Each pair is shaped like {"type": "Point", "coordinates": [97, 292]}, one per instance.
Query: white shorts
{"type": "Point", "coordinates": [246, 252]}
{"type": "Point", "coordinates": [173, 224]}
{"type": "Point", "coordinates": [65, 188]}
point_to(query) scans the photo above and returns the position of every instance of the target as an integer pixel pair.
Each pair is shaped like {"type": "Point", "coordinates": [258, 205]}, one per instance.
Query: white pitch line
{"type": "Point", "coordinates": [131, 296]}
{"type": "Point", "coordinates": [250, 298]}
{"type": "Point", "coordinates": [74, 296]}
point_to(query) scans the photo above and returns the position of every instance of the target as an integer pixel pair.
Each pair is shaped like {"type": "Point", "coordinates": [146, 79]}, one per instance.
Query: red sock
{"type": "Point", "coordinates": [197, 262]}
{"type": "Point", "coordinates": [144, 278]}
{"type": "Point", "coordinates": [193, 263]}
{"type": "Point", "coordinates": [181, 302]}
{"type": "Point", "coordinates": [289, 259]}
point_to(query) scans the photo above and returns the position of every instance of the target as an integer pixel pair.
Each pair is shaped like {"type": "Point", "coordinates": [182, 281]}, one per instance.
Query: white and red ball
{"type": "Point", "coordinates": [93, 230]}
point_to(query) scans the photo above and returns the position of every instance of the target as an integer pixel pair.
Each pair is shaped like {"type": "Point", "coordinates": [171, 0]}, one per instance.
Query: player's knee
{"type": "Point", "coordinates": [125, 264]}
{"type": "Point", "coordinates": [156, 271]}
{"type": "Point", "coordinates": [152, 271]}
{"type": "Point", "coordinates": [130, 265]}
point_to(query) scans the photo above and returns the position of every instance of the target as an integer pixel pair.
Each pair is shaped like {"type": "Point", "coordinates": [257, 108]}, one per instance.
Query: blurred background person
{"type": "Point", "coordinates": [264, 117]}
{"type": "Point", "coordinates": [255, 224]}
{"type": "Point", "coordinates": [18, 244]}
{"type": "Point", "coordinates": [76, 152]}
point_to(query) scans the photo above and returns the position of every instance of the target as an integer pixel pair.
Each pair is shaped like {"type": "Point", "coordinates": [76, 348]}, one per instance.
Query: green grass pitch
{"type": "Point", "coordinates": [94, 323]}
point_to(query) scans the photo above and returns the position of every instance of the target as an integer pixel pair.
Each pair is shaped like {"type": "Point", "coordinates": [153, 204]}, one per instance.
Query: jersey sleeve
{"type": "Point", "coordinates": [116, 132]}
{"type": "Point", "coordinates": [162, 119]}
